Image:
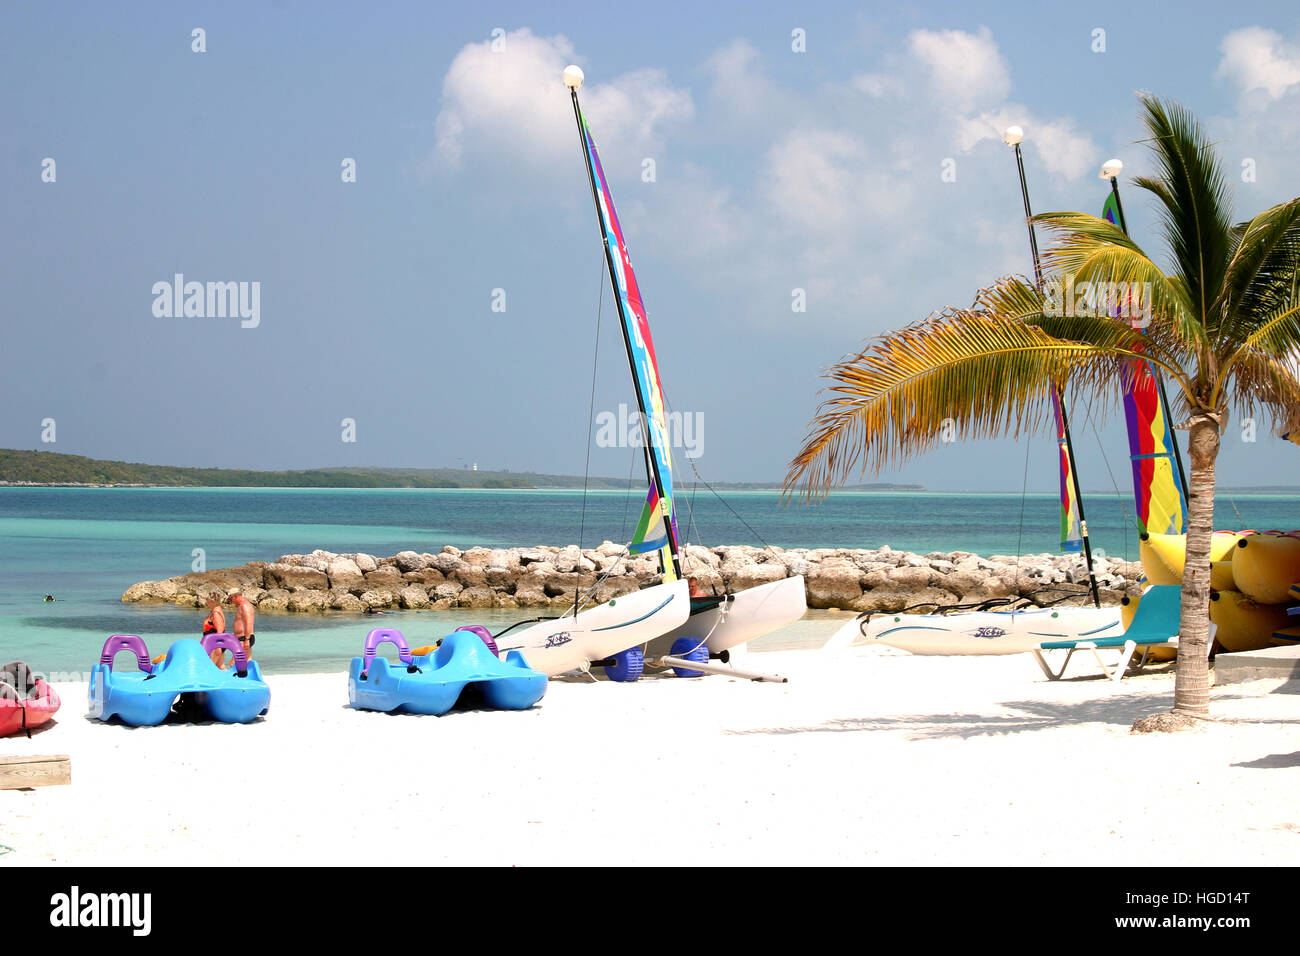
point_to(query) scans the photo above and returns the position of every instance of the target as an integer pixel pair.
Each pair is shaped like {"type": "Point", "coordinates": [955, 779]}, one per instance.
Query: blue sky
{"type": "Point", "coordinates": [775, 170]}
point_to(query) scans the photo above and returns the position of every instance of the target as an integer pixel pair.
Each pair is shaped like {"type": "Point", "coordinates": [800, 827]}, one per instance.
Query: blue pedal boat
{"type": "Point", "coordinates": [432, 683]}
{"type": "Point", "coordinates": [144, 698]}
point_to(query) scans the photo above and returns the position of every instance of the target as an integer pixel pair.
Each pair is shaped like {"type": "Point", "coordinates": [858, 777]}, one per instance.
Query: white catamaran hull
{"type": "Point", "coordinates": [981, 632]}
{"type": "Point", "coordinates": [744, 616]}
{"type": "Point", "coordinates": [596, 633]}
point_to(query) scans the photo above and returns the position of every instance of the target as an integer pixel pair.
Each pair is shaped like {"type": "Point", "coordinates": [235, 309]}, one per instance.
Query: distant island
{"type": "Point", "coordinates": [55, 468]}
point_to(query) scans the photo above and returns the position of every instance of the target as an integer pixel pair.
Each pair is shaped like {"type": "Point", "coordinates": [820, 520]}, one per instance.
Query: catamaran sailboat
{"type": "Point", "coordinates": [677, 630]}
{"type": "Point", "coordinates": [1159, 490]}
{"type": "Point", "coordinates": [1012, 631]}
{"type": "Point", "coordinates": [583, 636]}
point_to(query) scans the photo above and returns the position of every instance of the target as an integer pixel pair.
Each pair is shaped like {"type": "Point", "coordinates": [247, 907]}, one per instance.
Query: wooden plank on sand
{"type": "Point", "coordinates": [52, 770]}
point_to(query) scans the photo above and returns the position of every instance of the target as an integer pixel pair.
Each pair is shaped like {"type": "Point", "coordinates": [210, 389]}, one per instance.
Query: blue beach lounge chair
{"type": "Point", "coordinates": [1156, 622]}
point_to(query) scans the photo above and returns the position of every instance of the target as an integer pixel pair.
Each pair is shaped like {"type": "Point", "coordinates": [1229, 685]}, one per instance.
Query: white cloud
{"type": "Point", "coordinates": [511, 95]}
{"type": "Point", "coordinates": [955, 84]}
{"type": "Point", "coordinates": [815, 179]}
{"type": "Point", "coordinates": [1259, 59]}
{"type": "Point", "coordinates": [835, 189]}
{"type": "Point", "coordinates": [965, 70]}
{"type": "Point", "coordinates": [738, 81]}
{"type": "Point", "coordinates": [877, 85]}
{"type": "Point", "coordinates": [632, 109]}
{"type": "Point", "coordinates": [717, 225]}
{"type": "Point", "coordinates": [1264, 130]}
{"type": "Point", "coordinates": [1059, 145]}
{"type": "Point", "coordinates": [511, 100]}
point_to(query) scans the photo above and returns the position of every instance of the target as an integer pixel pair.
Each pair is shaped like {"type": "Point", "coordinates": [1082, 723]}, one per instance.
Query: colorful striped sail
{"type": "Point", "coordinates": [1158, 494]}
{"type": "Point", "coordinates": [1071, 532]}
{"type": "Point", "coordinates": [1110, 210]}
{"type": "Point", "coordinates": [650, 534]}
{"type": "Point", "coordinates": [657, 529]}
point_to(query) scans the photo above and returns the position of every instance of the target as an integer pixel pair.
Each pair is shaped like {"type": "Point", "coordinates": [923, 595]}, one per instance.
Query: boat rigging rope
{"type": "Point", "coordinates": [1119, 496]}
{"type": "Point", "coordinates": [690, 523]}
{"type": "Point", "coordinates": [591, 408]}
{"type": "Point", "coordinates": [691, 506]}
{"type": "Point", "coordinates": [1020, 535]}
{"type": "Point", "coordinates": [695, 471]}
{"type": "Point", "coordinates": [627, 498]}
{"type": "Point", "coordinates": [1240, 519]}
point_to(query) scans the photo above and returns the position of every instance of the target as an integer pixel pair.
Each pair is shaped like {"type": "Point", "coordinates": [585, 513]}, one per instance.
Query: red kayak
{"type": "Point", "coordinates": [26, 701]}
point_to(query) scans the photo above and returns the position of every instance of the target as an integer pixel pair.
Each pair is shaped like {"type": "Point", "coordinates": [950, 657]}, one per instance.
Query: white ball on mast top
{"type": "Point", "coordinates": [573, 77]}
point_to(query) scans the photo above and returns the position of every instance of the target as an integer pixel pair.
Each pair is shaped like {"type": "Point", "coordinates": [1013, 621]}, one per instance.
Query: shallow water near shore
{"type": "Point", "coordinates": [306, 643]}
{"type": "Point", "coordinates": [88, 545]}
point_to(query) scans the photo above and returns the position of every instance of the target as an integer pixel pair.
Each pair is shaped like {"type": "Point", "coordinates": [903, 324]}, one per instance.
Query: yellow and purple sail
{"type": "Point", "coordinates": [657, 528]}
{"type": "Point", "coordinates": [1158, 493]}
{"type": "Point", "coordinates": [1071, 531]}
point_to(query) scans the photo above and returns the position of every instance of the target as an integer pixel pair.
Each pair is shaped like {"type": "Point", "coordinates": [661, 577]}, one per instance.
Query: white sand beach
{"type": "Point", "coordinates": [866, 756]}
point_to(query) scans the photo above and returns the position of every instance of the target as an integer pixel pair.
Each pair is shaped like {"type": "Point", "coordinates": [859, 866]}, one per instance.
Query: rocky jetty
{"type": "Point", "coordinates": [880, 579]}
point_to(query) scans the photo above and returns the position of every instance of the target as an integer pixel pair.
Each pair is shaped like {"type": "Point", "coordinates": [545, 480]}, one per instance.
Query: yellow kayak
{"type": "Point", "coordinates": [1264, 566]}
{"type": "Point", "coordinates": [1287, 637]}
{"type": "Point", "coordinates": [1163, 555]}
{"type": "Point", "coordinates": [1221, 578]}
{"type": "Point", "coordinates": [1127, 608]}
{"type": "Point", "coordinates": [1245, 625]}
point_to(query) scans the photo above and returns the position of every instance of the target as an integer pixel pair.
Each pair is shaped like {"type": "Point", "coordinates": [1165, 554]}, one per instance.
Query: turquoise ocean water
{"type": "Point", "coordinates": [88, 545]}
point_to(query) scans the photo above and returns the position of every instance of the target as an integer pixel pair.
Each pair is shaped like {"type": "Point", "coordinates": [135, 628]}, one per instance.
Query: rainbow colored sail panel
{"type": "Point", "coordinates": [1158, 494]}
{"type": "Point", "coordinates": [1157, 491]}
{"type": "Point", "coordinates": [1071, 532]}
{"type": "Point", "coordinates": [1110, 211]}
{"type": "Point", "coordinates": [650, 534]}
{"type": "Point", "coordinates": [657, 529]}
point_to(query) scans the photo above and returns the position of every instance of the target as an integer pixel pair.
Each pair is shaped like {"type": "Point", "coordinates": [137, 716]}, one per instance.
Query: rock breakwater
{"type": "Point", "coordinates": [879, 579]}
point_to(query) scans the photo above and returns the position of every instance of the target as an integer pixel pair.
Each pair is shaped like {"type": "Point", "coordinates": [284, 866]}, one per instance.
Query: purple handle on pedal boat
{"type": "Point", "coordinates": [379, 636]}
{"type": "Point", "coordinates": [483, 634]}
{"type": "Point", "coordinates": [230, 643]}
{"type": "Point", "coordinates": [126, 642]}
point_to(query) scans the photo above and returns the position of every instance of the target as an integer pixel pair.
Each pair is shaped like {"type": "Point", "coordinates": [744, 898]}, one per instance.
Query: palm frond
{"type": "Point", "coordinates": [961, 374]}
{"type": "Point", "coordinates": [1011, 297]}
{"type": "Point", "coordinates": [1195, 203]}
{"type": "Point", "coordinates": [1262, 270]}
{"type": "Point", "coordinates": [1265, 380]}
{"type": "Point", "coordinates": [1014, 298]}
{"type": "Point", "coordinates": [1276, 336]}
{"type": "Point", "coordinates": [1155, 344]}
{"type": "Point", "coordinates": [1089, 249]}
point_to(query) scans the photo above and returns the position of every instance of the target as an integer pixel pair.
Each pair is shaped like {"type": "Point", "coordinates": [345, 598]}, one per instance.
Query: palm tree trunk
{"type": "Point", "coordinates": [1192, 675]}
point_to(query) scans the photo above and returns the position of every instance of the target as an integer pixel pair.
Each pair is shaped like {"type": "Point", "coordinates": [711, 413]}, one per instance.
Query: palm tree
{"type": "Point", "coordinates": [1225, 332]}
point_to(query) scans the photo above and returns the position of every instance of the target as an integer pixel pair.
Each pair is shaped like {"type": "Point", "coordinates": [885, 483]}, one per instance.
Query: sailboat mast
{"type": "Point", "coordinates": [1012, 138]}
{"type": "Point", "coordinates": [1160, 379]}
{"type": "Point", "coordinates": [652, 466]}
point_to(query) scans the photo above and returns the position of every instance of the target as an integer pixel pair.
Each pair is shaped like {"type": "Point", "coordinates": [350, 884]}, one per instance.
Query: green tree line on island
{"type": "Point", "coordinates": [55, 468]}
